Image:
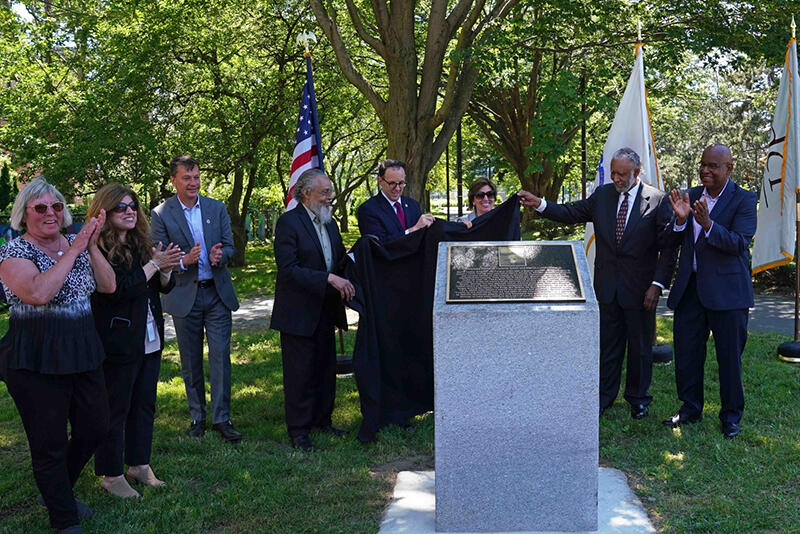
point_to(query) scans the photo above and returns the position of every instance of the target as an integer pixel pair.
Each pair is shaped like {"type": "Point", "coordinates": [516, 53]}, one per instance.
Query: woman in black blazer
{"type": "Point", "coordinates": [131, 327]}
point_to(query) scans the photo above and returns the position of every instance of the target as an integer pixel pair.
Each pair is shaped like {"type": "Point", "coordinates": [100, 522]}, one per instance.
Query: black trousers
{"type": "Point", "coordinates": [692, 325]}
{"type": "Point", "coordinates": [45, 404]}
{"type": "Point", "coordinates": [309, 377]}
{"type": "Point", "coordinates": [620, 328]}
{"type": "Point", "coordinates": [131, 391]}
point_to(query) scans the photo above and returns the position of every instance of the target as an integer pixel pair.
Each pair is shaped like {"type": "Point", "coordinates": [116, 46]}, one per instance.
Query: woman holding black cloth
{"type": "Point", "coordinates": [131, 326]}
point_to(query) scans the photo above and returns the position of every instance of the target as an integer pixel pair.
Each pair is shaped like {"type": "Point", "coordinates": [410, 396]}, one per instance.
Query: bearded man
{"type": "Point", "coordinates": [308, 304]}
{"type": "Point", "coordinates": [634, 263]}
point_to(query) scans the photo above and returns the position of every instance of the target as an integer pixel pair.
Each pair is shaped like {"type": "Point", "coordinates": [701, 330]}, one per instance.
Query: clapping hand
{"type": "Point", "coordinates": [192, 256]}
{"type": "Point", "coordinates": [81, 241]}
{"type": "Point", "coordinates": [94, 236]}
{"type": "Point", "coordinates": [167, 258]}
{"type": "Point", "coordinates": [701, 215]}
{"type": "Point", "coordinates": [215, 254]}
{"type": "Point", "coordinates": [680, 205]}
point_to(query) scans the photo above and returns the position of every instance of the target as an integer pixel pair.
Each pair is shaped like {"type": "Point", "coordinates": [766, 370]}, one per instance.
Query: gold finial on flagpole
{"type": "Point", "coordinates": [639, 30]}
{"type": "Point", "coordinates": [794, 27]}
{"type": "Point", "coordinates": [304, 38]}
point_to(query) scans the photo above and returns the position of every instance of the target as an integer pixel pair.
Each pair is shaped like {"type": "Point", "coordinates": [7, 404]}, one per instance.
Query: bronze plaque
{"type": "Point", "coordinates": [537, 272]}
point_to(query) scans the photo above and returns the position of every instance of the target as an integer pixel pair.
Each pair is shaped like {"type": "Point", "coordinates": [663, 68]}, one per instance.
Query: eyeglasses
{"type": "Point", "coordinates": [41, 209]}
{"type": "Point", "coordinates": [122, 207]}
{"type": "Point", "coordinates": [394, 185]}
{"type": "Point", "coordinates": [480, 195]}
{"type": "Point", "coordinates": [712, 166]}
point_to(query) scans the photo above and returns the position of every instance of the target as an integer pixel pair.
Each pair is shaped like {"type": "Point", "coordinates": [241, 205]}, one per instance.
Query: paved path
{"type": "Point", "coordinates": [252, 313]}
{"type": "Point", "coordinates": [770, 314]}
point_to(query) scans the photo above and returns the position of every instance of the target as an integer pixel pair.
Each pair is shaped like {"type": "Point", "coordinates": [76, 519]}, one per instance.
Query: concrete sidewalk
{"type": "Point", "coordinates": [770, 314]}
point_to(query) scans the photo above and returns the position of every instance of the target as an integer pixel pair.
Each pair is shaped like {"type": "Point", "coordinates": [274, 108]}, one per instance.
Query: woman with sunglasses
{"type": "Point", "coordinates": [131, 327]}
{"type": "Point", "coordinates": [51, 354]}
{"type": "Point", "coordinates": [481, 197]}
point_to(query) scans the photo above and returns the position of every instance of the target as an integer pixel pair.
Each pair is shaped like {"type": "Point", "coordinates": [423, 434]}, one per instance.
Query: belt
{"type": "Point", "coordinates": [205, 283]}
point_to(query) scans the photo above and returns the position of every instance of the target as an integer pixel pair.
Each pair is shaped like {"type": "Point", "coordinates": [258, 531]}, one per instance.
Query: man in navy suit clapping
{"type": "Point", "coordinates": [713, 290]}
{"type": "Point", "coordinates": [389, 215]}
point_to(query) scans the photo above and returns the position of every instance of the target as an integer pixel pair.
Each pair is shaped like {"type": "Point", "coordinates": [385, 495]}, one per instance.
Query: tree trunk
{"type": "Point", "coordinates": [237, 221]}
{"type": "Point", "coordinates": [343, 222]}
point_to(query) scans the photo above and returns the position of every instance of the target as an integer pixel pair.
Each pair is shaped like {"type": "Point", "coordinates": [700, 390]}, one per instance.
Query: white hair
{"type": "Point", "coordinates": [36, 188]}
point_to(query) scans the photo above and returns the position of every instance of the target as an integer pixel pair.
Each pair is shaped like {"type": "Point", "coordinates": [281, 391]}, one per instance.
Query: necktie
{"type": "Point", "coordinates": [623, 211]}
{"type": "Point", "coordinates": [400, 215]}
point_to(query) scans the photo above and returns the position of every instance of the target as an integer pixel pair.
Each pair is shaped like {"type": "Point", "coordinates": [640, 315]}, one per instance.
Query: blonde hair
{"type": "Point", "coordinates": [36, 188]}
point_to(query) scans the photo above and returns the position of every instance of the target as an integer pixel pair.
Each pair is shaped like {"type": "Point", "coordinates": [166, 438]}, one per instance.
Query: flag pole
{"type": "Point", "coordinates": [789, 351]}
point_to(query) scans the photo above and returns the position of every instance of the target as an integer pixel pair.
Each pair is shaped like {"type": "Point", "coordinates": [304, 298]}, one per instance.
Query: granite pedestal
{"type": "Point", "coordinates": [516, 404]}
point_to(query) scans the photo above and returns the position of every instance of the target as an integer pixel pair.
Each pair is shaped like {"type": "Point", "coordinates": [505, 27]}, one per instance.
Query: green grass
{"type": "Point", "coordinates": [258, 485]}
{"type": "Point", "coordinates": [690, 480]}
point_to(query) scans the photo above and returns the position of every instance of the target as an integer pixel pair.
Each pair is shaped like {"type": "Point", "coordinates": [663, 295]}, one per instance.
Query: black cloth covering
{"type": "Point", "coordinates": [395, 281]}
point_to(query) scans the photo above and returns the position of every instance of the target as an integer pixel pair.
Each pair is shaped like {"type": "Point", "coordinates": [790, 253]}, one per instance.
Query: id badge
{"type": "Point", "coordinates": [151, 331]}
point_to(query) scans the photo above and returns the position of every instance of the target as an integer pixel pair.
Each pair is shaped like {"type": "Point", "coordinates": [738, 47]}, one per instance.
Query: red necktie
{"type": "Point", "coordinates": [400, 215]}
{"type": "Point", "coordinates": [623, 211]}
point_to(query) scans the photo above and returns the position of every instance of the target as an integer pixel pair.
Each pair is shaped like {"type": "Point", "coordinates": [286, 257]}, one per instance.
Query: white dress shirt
{"type": "Point", "coordinates": [194, 218]}
{"type": "Point", "coordinates": [710, 202]}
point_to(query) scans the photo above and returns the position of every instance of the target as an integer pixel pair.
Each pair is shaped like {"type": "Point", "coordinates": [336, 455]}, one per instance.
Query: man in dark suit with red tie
{"type": "Point", "coordinates": [713, 290]}
{"type": "Point", "coordinates": [308, 305]}
{"type": "Point", "coordinates": [389, 215]}
{"type": "Point", "coordinates": [633, 264]}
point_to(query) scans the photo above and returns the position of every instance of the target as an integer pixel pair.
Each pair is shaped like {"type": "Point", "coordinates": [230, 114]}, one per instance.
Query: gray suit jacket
{"type": "Point", "coordinates": [168, 225]}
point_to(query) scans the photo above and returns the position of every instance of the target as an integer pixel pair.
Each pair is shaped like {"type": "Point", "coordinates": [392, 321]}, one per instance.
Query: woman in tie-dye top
{"type": "Point", "coordinates": [51, 355]}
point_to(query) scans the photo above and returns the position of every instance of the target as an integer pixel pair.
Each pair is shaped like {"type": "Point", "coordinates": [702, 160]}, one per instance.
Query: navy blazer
{"type": "Point", "coordinates": [376, 217]}
{"type": "Point", "coordinates": [301, 287]}
{"type": "Point", "coordinates": [723, 258]}
{"type": "Point", "coordinates": [645, 253]}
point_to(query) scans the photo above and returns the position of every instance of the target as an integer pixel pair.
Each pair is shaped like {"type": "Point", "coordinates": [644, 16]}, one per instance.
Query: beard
{"type": "Point", "coordinates": [625, 187]}
{"type": "Point", "coordinates": [323, 211]}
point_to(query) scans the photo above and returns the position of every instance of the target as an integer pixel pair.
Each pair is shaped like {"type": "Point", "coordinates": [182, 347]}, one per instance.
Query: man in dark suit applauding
{"type": "Point", "coordinates": [203, 297]}
{"type": "Point", "coordinates": [634, 262]}
{"type": "Point", "coordinates": [713, 290]}
{"type": "Point", "coordinates": [389, 215]}
{"type": "Point", "coordinates": [308, 304]}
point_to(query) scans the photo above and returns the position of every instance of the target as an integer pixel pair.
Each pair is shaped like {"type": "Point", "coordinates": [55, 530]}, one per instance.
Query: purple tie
{"type": "Point", "coordinates": [400, 215]}
{"type": "Point", "coordinates": [623, 211]}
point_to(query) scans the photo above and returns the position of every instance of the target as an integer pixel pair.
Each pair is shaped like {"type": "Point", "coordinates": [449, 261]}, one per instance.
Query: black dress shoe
{"type": "Point", "coordinates": [730, 430]}
{"type": "Point", "coordinates": [678, 419]}
{"type": "Point", "coordinates": [197, 430]}
{"type": "Point", "coordinates": [227, 431]}
{"type": "Point", "coordinates": [84, 512]}
{"type": "Point", "coordinates": [303, 443]}
{"type": "Point", "coordinates": [335, 430]}
{"type": "Point", "coordinates": [638, 411]}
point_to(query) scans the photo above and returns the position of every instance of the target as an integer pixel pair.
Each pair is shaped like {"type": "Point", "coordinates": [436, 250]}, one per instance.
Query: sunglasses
{"type": "Point", "coordinates": [122, 207]}
{"type": "Point", "coordinates": [480, 195]}
{"type": "Point", "coordinates": [41, 209]}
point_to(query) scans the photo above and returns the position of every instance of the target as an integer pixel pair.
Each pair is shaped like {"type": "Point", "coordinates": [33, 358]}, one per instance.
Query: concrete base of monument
{"type": "Point", "coordinates": [413, 507]}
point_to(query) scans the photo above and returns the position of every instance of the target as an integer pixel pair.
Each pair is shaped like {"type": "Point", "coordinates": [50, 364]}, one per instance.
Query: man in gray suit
{"type": "Point", "coordinates": [203, 296]}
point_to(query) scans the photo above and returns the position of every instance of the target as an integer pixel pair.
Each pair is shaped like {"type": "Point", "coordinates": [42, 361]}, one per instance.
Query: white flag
{"type": "Point", "coordinates": [631, 128]}
{"type": "Point", "coordinates": [774, 239]}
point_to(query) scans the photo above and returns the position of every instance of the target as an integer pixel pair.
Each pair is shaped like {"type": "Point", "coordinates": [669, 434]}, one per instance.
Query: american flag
{"type": "Point", "coordinates": [307, 145]}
